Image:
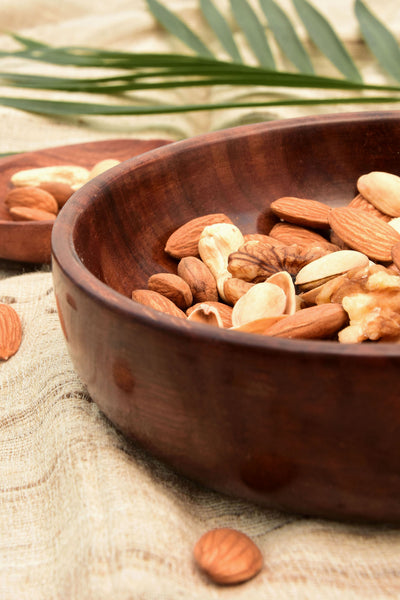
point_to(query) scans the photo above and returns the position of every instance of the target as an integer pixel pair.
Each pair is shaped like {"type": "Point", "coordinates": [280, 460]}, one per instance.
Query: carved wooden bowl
{"type": "Point", "coordinates": [305, 426]}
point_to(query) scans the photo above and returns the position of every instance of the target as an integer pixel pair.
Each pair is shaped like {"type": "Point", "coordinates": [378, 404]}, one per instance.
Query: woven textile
{"type": "Point", "coordinates": [85, 513]}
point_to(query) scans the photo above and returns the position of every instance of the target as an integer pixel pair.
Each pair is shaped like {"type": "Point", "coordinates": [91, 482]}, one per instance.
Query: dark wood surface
{"type": "Point", "coordinates": [305, 426]}
{"type": "Point", "coordinates": [30, 241]}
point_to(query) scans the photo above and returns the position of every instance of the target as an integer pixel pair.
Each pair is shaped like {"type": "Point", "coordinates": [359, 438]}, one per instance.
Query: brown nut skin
{"type": "Point", "coordinates": [228, 556]}
{"type": "Point", "coordinates": [172, 287]}
{"type": "Point", "coordinates": [184, 241]}
{"type": "Point", "coordinates": [59, 190]}
{"type": "Point", "coordinates": [31, 197]}
{"type": "Point", "coordinates": [199, 278]}
{"type": "Point", "coordinates": [10, 331]}
{"type": "Point", "coordinates": [301, 211]}
{"type": "Point", "coordinates": [24, 213]}
{"type": "Point", "coordinates": [158, 302]}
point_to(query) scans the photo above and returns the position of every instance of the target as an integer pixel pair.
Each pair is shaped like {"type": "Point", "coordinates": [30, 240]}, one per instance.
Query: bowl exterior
{"type": "Point", "coordinates": [311, 427]}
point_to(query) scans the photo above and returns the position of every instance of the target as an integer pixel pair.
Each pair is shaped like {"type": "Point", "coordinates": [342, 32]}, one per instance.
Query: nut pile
{"type": "Point", "coordinates": [319, 273]}
{"type": "Point", "coordinates": [38, 194]}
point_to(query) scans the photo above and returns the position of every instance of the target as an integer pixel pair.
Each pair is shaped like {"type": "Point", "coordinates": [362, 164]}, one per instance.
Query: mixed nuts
{"type": "Point", "coordinates": [38, 194]}
{"type": "Point", "coordinates": [319, 273]}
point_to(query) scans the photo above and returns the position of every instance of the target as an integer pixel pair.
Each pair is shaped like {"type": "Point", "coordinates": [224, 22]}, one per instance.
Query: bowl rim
{"type": "Point", "coordinates": [65, 255]}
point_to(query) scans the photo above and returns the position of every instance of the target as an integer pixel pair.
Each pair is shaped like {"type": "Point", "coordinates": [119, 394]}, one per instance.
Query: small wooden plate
{"type": "Point", "coordinates": [29, 242]}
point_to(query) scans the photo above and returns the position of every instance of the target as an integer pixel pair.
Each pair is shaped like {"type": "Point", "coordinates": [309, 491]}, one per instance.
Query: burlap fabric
{"type": "Point", "coordinates": [85, 514]}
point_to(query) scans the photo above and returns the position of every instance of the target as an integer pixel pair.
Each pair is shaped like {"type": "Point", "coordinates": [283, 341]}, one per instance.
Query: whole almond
{"type": "Point", "coordinates": [295, 234]}
{"type": "Point", "coordinates": [199, 278]}
{"type": "Point", "coordinates": [60, 191]}
{"type": "Point", "coordinates": [184, 241]}
{"type": "Point", "coordinates": [315, 322]}
{"type": "Point", "coordinates": [396, 255]}
{"type": "Point", "coordinates": [228, 556]}
{"type": "Point", "coordinates": [235, 288]}
{"type": "Point", "coordinates": [31, 197]}
{"type": "Point", "coordinates": [382, 190]}
{"type": "Point", "coordinates": [158, 302]}
{"type": "Point", "coordinates": [364, 232]}
{"type": "Point", "coordinates": [301, 211]}
{"type": "Point", "coordinates": [173, 287]}
{"type": "Point", "coordinates": [23, 213]}
{"type": "Point", "coordinates": [362, 204]}
{"type": "Point", "coordinates": [10, 331]}
{"type": "Point", "coordinates": [102, 166]}
{"type": "Point", "coordinates": [262, 237]}
{"type": "Point", "coordinates": [225, 311]}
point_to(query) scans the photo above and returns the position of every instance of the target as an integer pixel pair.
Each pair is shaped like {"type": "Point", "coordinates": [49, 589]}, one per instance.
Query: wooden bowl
{"type": "Point", "coordinates": [29, 241]}
{"type": "Point", "coordinates": [305, 426]}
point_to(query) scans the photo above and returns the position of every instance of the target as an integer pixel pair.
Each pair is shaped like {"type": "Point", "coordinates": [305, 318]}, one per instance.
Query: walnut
{"type": "Point", "coordinates": [256, 261]}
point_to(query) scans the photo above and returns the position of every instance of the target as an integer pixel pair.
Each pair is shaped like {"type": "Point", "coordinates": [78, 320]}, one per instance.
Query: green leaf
{"type": "Point", "coordinates": [221, 29]}
{"type": "Point", "coordinates": [324, 36]}
{"type": "Point", "coordinates": [286, 36]}
{"type": "Point", "coordinates": [380, 40]}
{"type": "Point", "coordinates": [58, 107]}
{"type": "Point", "coordinates": [178, 28]}
{"type": "Point", "coordinates": [247, 19]}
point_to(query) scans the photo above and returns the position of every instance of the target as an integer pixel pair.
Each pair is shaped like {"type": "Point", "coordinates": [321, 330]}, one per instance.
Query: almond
{"type": "Point", "coordinates": [23, 213]}
{"type": "Point", "coordinates": [261, 237]}
{"type": "Point", "coordinates": [199, 278]}
{"type": "Point", "coordinates": [362, 204]}
{"type": "Point", "coordinates": [31, 197]}
{"type": "Point", "coordinates": [102, 166]}
{"type": "Point", "coordinates": [301, 211]}
{"type": "Point", "coordinates": [396, 255]}
{"type": "Point", "coordinates": [10, 331]}
{"type": "Point", "coordinates": [158, 302]}
{"type": "Point", "coordinates": [382, 190]}
{"type": "Point", "coordinates": [225, 311]}
{"type": "Point", "coordinates": [294, 234]}
{"type": "Point", "coordinates": [315, 322]}
{"type": "Point", "coordinates": [235, 288]}
{"type": "Point", "coordinates": [173, 287]}
{"type": "Point", "coordinates": [364, 232]}
{"type": "Point", "coordinates": [60, 191]}
{"type": "Point", "coordinates": [184, 241]}
{"type": "Point", "coordinates": [228, 556]}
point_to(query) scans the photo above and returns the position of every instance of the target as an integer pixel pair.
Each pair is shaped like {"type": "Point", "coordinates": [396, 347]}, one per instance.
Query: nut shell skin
{"type": "Point", "coordinates": [10, 331]}
{"type": "Point", "coordinates": [228, 556]}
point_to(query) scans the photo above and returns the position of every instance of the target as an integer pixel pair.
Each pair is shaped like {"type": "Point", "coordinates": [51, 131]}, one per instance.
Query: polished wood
{"type": "Point", "coordinates": [305, 426]}
{"type": "Point", "coordinates": [29, 242]}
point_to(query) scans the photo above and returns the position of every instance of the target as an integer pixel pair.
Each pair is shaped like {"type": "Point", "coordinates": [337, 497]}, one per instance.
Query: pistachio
{"type": "Point", "coordinates": [330, 266]}
{"type": "Point", "coordinates": [262, 300]}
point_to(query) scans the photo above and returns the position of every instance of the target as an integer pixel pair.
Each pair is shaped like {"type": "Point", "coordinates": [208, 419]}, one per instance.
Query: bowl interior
{"type": "Point", "coordinates": [129, 214]}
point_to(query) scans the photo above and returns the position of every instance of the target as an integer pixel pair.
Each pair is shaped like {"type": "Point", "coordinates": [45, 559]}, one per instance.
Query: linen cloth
{"type": "Point", "coordinates": [85, 513]}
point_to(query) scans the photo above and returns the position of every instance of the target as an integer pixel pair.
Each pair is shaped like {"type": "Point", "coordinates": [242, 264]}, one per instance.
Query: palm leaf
{"type": "Point", "coordinates": [286, 36]}
{"type": "Point", "coordinates": [380, 40]}
{"type": "Point", "coordinates": [325, 38]}
{"type": "Point", "coordinates": [221, 29]}
{"type": "Point", "coordinates": [177, 27]}
{"type": "Point", "coordinates": [254, 32]}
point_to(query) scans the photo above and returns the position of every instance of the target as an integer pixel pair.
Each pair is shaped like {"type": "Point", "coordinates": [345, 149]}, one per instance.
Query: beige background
{"type": "Point", "coordinates": [85, 514]}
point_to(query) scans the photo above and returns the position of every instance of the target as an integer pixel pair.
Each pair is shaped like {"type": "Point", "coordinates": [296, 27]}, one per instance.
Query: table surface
{"type": "Point", "coordinates": [84, 513]}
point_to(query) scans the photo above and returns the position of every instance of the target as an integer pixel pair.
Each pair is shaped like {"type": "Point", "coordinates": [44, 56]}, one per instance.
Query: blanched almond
{"type": "Point", "coordinates": [74, 175]}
